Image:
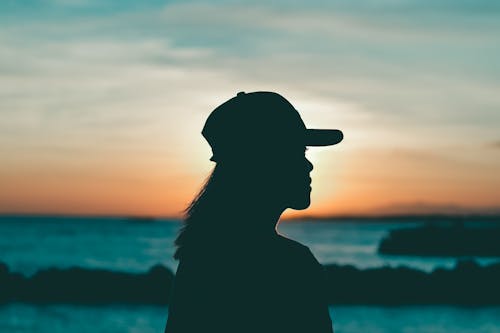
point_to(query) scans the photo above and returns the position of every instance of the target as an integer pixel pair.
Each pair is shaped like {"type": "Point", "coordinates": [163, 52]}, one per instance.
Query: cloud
{"type": "Point", "coordinates": [389, 75]}
{"type": "Point", "coordinates": [494, 144]}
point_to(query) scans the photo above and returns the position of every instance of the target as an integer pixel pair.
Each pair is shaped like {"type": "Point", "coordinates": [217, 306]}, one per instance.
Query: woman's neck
{"type": "Point", "coordinates": [259, 221]}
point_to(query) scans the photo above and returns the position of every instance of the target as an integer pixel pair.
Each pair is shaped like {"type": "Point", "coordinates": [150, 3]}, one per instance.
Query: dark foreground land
{"type": "Point", "coordinates": [466, 284]}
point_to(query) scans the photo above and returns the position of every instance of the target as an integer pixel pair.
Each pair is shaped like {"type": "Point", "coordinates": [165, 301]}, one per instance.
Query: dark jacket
{"type": "Point", "coordinates": [266, 285]}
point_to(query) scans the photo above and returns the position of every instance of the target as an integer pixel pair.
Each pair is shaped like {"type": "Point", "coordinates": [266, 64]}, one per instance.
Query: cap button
{"type": "Point", "coordinates": [240, 93]}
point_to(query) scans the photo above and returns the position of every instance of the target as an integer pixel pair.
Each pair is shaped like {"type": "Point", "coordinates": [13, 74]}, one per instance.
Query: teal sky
{"type": "Point", "coordinates": [97, 94]}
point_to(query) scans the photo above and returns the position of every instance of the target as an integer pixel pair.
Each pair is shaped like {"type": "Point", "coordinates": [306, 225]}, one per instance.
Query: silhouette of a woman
{"type": "Point", "coordinates": [236, 273]}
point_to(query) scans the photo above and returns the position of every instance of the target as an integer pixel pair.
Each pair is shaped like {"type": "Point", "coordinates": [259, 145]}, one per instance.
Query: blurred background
{"type": "Point", "coordinates": [102, 104]}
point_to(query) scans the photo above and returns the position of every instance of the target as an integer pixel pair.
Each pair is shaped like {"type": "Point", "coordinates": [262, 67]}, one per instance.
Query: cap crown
{"type": "Point", "coordinates": [257, 122]}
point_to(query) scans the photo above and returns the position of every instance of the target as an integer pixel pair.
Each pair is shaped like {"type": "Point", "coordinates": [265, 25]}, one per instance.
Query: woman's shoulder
{"type": "Point", "coordinates": [297, 249]}
{"type": "Point", "coordinates": [291, 244]}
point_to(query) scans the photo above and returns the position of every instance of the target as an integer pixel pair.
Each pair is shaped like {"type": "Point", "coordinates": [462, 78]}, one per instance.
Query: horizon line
{"type": "Point", "coordinates": [367, 216]}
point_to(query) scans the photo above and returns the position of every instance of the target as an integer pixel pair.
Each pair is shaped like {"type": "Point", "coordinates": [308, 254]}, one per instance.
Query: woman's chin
{"type": "Point", "coordinates": [301, 204]}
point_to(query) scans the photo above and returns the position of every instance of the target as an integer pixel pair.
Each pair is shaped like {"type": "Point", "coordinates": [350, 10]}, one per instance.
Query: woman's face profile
{"type": "Point", "coordinates": [290, 179]}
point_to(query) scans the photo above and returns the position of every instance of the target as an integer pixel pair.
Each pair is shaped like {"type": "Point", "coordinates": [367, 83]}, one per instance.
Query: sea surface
{"type": "Point", "coordinates": [28, 244]}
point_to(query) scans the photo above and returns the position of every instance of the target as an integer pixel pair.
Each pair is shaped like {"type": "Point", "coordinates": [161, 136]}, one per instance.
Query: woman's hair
{"type": "Point", "coordinates": [207, 217]}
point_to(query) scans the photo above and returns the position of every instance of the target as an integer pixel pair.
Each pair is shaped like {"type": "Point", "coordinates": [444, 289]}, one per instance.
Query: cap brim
{"type": "Point", "coordinates": [323, 137]}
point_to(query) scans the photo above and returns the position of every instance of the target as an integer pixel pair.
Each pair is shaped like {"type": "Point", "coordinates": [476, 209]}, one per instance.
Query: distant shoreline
{"type": "Point", "coordinates": [411, 218]}
{"type": "Point", "coordinates": [401, 218]}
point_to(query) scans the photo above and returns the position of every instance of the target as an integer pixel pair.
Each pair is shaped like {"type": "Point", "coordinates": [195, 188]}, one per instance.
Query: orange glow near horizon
{"type": "Point", "coordinates": [342, 185]}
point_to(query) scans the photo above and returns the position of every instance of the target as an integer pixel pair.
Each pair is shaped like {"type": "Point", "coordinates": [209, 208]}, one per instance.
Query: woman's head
{"type": "Point", "coordinates": [258, 142]}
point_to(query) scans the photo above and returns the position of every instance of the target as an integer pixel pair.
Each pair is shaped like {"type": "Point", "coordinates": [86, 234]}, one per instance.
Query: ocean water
{"type": "Point", "coordinates": [28, 244]}
{"type": "Point", "coordinates": [147, 319]}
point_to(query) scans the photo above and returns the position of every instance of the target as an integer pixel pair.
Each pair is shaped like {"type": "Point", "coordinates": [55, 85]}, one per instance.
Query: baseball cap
{"type": "Point", "coordinates": [260, 122]}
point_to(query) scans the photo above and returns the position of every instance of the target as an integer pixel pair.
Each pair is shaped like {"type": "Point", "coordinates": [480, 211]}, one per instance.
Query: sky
{"type": "Point", "coordinates": [102, 102]}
